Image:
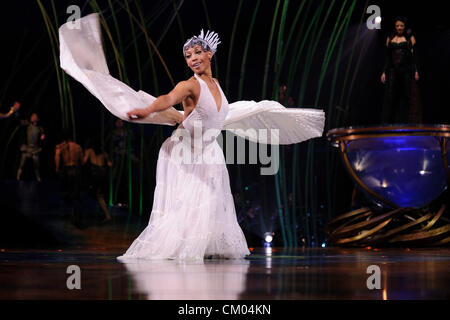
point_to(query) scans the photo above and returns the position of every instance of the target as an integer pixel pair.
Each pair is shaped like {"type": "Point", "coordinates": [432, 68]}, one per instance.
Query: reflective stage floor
{"type": "Point", "coordinates": [38, 243]}
{"type": "Point", "coordinates": [325, 273]}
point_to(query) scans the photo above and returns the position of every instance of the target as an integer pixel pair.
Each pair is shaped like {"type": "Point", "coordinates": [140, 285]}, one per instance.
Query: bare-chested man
{"type": "Point", "coordinates": [70, 153]}
{"type": "Point", "coordinates": [68, 159]}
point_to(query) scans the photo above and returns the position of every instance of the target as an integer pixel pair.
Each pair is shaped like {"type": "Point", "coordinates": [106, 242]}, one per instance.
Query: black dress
{"type": "Point", "coordinates": [400, 66]}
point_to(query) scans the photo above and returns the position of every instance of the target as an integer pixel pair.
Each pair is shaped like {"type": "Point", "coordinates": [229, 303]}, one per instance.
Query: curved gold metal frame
{"type": "Point", "coordinates": [399, 226]}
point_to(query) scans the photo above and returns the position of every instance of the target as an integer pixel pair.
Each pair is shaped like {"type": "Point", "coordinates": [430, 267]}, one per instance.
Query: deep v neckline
{"type": "Point", "coordinates": [220, 92]}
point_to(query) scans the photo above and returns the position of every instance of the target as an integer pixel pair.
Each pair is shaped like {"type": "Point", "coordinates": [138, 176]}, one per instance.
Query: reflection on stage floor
{"type": "Point", "coordinates": [325, 273]}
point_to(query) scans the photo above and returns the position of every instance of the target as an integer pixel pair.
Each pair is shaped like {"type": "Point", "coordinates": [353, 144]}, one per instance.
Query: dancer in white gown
{"type": "Point", "coordinates": [193, 214]}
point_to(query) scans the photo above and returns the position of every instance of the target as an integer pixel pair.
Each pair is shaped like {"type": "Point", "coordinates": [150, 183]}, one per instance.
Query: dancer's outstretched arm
{"type": "Point", "coordinates": [181, 91]}
{"type": "Point", "coordinates": [13, 109]}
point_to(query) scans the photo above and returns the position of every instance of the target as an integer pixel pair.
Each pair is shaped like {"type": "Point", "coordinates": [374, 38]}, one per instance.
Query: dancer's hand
{"type": "Point", "coordinates": [139, 113]}
{"type": "Point", "coordinates": [383, 78]}
{"type": "Point", "coordinates": [416, 76]}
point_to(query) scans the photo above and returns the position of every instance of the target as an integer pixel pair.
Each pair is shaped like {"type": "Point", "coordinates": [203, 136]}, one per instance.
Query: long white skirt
{"type": "Point", "coordinates": [193, 214]}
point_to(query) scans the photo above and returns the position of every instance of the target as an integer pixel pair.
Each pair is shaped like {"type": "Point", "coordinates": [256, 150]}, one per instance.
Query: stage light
{"type": "Point", "coordinates": [378, 20]}
{"type": "Point", "coordinates": [324, 245]}
{"type": "Point", "coordinates": [268, 238]}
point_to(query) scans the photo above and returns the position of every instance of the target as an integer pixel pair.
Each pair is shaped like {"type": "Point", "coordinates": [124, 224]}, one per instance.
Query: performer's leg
{"type": "Point", "coordinates": [102, 203]}
{"type": "Point", "coordinates": [74, 194]}
{"type": "Point", "coordinates": [64, 184]}
{"type": "Point", "coordinates": [22, 162]}
{"type": "Point", "coordinates": [101, 191]}
{"type": "Point", "coordinates": [36, 167]}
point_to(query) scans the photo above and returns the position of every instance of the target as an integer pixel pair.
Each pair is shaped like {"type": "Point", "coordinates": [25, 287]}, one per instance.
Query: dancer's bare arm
{"type": "Point", "coordinates": [108, 161]}
{"type": "Point", "coordinates": [13, 109]}
{"type": "Point", "coordinates": [181, 91]}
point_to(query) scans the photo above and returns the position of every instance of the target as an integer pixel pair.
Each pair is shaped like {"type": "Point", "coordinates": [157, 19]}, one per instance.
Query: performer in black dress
{"type": "Point", "coordinates": [400, 68]}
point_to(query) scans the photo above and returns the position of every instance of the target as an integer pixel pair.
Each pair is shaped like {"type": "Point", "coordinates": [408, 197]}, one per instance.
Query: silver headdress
{"type": "Point", "coordinates": [207, 42]}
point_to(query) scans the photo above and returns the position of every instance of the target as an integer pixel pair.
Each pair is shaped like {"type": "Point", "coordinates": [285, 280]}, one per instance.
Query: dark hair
{"type": "Point", "coordinates": [402, 19]}
{"type": "Point", "coordinates": [407, 32]}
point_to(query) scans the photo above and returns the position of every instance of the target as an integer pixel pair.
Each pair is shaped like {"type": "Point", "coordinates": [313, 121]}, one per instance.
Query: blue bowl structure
{"type": "Point", "coordinates": [398, 166]}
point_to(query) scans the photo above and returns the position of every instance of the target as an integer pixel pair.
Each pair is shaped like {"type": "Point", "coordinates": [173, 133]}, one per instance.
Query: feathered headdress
{"type": "Point", "coordinates": [208, 41]}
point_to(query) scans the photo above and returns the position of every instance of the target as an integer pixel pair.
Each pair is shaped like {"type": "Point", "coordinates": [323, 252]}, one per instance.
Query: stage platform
{"type": "Point", "coordinates": [39, 243]}
{"type": "Point", "coordinates": [276, 274]}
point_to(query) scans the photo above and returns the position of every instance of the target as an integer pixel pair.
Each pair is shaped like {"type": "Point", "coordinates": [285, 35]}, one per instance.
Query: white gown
{"type": "Point", "coordinates": [193, 212]}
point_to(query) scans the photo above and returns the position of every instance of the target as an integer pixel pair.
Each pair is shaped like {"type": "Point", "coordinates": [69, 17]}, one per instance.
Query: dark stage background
{"type": "Point", "coordinates": [348, 88]}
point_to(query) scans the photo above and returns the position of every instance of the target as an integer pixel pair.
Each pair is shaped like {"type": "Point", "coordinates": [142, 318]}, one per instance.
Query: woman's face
{"type": "Point", "coordinates": [197, 59]}
{"type": "Point", "coordinates": [399, 27]}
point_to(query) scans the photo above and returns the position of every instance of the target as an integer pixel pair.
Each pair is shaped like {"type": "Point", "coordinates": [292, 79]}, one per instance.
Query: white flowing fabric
{"type": "Point", "coordinates": [82, 57]}
{"type": "Point", "coordinates": [193, 212]}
